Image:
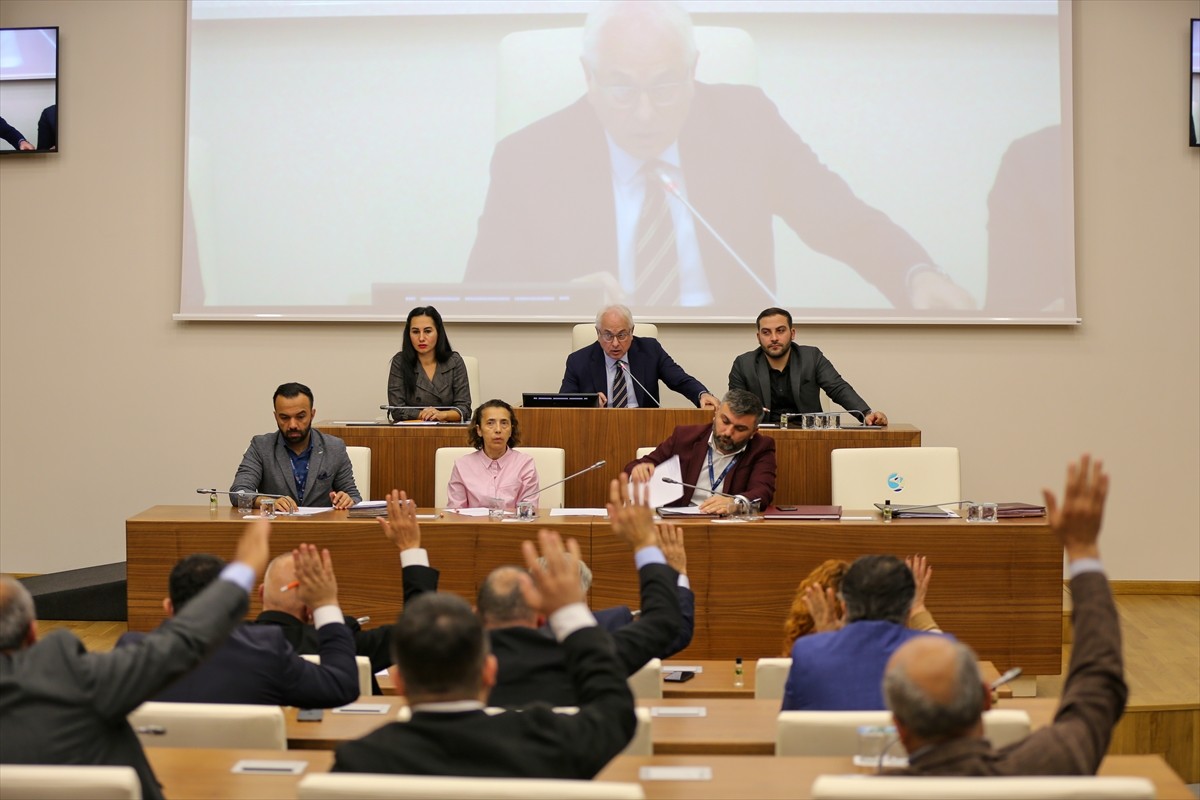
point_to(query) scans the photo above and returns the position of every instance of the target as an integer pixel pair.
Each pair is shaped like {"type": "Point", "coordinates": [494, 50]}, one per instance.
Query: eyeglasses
{"type": "Point", "coordinates": [661, 95]}
{"type": "Point", "coordinates": [620, 336]}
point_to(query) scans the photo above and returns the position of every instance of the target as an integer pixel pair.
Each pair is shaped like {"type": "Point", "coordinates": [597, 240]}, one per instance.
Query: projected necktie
{"type": "Point", "coordinates": [620, 398]}
{"type": "Point", "coordinates": [657, 259]}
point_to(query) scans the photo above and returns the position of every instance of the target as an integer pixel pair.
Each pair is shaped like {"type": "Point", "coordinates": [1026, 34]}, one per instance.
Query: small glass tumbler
{"type": "Point", "coordinates": [746, 510]}
{"type": "Point", "coordinates": [245, 503]}
{"type": "Point", "coordinates": [981, 512]}
{"type": "Point", "coordinates": [527, 511]}
{"type": "Point", "coordinates": [872, 741]}
{"type": "Point", "coordinates": [496, 509]}
{"type": "Point", "coordinates": [266, 507]}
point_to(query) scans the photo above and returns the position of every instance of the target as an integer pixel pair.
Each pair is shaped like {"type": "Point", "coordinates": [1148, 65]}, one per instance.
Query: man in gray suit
{"type": "Point", "coordinates": [788, 377]}
{"type": "Point", "coordinates": [305, 467]}
{"type": "Point", "coordinates": [60, 704]}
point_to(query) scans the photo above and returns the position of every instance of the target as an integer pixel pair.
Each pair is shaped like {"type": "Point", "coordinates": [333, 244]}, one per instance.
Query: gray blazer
{"type": "Point", "coordinates": [449, 387]}
{"type": "Point", "coordinates": [60, 704]}
{"type": "Point", "coordinates": [810, 372]}
{"type": "Point", "coordinates": [267, 468]}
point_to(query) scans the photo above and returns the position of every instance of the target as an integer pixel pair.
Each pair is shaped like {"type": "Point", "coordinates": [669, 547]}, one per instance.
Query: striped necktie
{"type": "Point", "coordinates": [657, 259]}
{"type": "Point", "coordinates": [620, 398]}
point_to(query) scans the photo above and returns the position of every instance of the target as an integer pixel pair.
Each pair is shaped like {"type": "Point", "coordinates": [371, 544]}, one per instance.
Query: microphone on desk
{"type": "Point", "coordinates": [702, 489]}
{"type": "Point", "coordinates": [625, 368]}
{"type": "Point", "coordinates": [671, 187]}
{"type": "Point", "coordinates": [235, 494]}
{"type": "Point", "coordinates": [597, 465]}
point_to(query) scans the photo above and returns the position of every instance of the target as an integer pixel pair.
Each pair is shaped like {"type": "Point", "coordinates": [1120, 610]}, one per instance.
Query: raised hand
{"type": "Point", "coordinates": [314, 571]}
{"type": "Point", "coordinates": [254, 547]}
{"type": "Point", "coordinates": [824, 608]}
{"type": "Point", "coordinates": [554, 583]}
{"type": "Point", "coordinates": [670, 541]}
{"type": "Point", "coordinates": [1077, 521]}
{"type": "Point", "coordinates": [630, 514]}
{"type": "Point", "coordinates": [401, 526]}
{"type": "Point", "coordinates": [922, 574]}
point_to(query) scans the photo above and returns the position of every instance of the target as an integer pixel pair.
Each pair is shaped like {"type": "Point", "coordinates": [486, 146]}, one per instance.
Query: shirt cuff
{"type": "Point", "coordinates": [239, 573]}
{"type": "Point", "coordinates": [1082, 565]}
{"type": "Point", "coordinates": [414, 557]}
{"type": "Point", "coordinates": [326, 615]}
{"type": "Point", "coordinates": [683, 581]}
{"type": "Point", "coordinates": [649, 555]}
{"type": "Point", "coordinates": [569, 619]}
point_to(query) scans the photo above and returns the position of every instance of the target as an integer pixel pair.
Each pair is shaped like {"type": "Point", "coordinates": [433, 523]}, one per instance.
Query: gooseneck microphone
{"type": "Point", "coordinates": [539, 489]}
{"type": "Point", "coordinates": [702, 489]}
{"type": "Point", "coordinates": [670, 186]}
{"type": "Point", "coordinates": [625, 368]}
{"type": "Point", "coordinates": [235, 494]}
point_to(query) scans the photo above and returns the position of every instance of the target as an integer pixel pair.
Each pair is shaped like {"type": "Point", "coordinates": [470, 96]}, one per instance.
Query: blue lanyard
{"type": "Point", "coordinates": [713, 481]}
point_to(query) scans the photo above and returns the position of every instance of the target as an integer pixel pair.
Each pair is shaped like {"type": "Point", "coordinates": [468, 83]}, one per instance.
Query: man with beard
{"type": "Point", "coordinates": [303, 466]}
{"type": "Point", "coordinates": [730, 456]}
{"type": "Point", "coordinates": [788, 378]}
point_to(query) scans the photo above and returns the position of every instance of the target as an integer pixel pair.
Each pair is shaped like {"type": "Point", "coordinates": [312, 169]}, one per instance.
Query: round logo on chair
{"type": "Point", "coordinates": [895, 482]}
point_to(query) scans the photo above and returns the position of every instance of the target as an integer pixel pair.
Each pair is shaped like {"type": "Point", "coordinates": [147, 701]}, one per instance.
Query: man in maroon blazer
{"type": "Point", "coordinates": [730, 456]}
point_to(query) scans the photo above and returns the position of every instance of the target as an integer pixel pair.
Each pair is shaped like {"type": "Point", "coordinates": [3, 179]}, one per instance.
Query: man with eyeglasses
{"type": "Point", "coordinates": [595, 192]}
{"type": "Point", "coordinates": [625, 369]}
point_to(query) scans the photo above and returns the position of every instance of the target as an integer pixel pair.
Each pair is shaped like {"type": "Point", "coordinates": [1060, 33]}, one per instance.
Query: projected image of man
{"type": "Point", "coordinates": [595, 192]}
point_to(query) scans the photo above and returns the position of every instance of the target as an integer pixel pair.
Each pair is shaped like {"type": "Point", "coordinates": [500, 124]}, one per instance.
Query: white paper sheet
{"type": "Point", "coordinates": [679, 711]}
{"type": "Point", "coordinates": [363, 708]}
{"type": "Point", "coordinates": [262, 766]}
{"type": "Point", "coordinates": [696, 773]}
{"type": "Point", "coordinates": [579, 512]}
{"type": "Point", "coordinates": [468, 512]}
{"type": "Point", "coordinates": [661, 492]}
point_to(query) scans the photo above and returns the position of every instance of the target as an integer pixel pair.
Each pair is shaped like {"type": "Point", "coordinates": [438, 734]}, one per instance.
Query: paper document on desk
{"type": "Point", "coordinates": [579, 512]}
{"type": "Point", "coordinates": [469, 512]}
{"type": "Point", "coordinates": [306, 511]}
{"type": "Point", "coordinates": [661, 492]}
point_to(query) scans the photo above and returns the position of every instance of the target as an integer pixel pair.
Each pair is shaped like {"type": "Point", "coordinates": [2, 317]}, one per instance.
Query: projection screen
{"type": "Point", "coordinates": [902, 161]}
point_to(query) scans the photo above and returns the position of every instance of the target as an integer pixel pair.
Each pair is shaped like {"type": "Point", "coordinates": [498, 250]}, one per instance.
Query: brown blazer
{"type": "Point", "coordinates": [752, 475]}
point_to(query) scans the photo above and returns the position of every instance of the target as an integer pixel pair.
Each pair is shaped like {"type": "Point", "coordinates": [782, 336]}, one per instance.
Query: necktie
{"type": "Point", "coordinates": [657, 259]}
{"type": "Point", "coordinates": [620, 398]}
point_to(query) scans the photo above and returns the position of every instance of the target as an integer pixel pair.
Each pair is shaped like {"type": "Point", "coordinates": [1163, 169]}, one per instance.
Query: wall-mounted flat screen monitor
{"type": "Point", "coordinates": [1194, 109]}
{"type": "Point", "coordinates": [28, 90]}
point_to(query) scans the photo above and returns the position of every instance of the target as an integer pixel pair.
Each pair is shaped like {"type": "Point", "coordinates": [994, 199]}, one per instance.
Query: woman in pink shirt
{"type": "Point", "coordinates": [495, 469]}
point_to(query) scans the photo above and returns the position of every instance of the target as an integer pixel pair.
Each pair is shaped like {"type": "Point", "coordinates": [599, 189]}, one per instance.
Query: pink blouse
{"type": "Point", "coordinates": [476, 479]}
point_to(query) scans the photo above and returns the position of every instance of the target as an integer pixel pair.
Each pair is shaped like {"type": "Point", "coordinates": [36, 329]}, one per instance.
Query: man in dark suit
{"type": "Point", "coordinates": [286, 609]}
{"type": "Point", "coordinates": [576, 195]}
{"type": "Point", "coordinates": [304, 467]}
{"type": "Point", "coordinates": [730, 456]}
{"type": "Point", "coordinates": [48, 128]}
{"type": "Point", "coordinates": [256, 664]}
{"type": "Point", "coordinates": [60, 704]}
{"type": "Point", "coordinates": [445, 670]}
{"type": "Point", "coordinates": [937, 698]}
{"type": "Point", "coordinates": [788, 377]}
{"type": "Point", "coordinates": [625, 369]}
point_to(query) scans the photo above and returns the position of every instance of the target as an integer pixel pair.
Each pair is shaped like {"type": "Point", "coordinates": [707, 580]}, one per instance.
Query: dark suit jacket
{"type": "Point", "coordinates": [532, 743]}
{"type": "Point", "coordinates": [617, 617]}
{"type": "Point", "coordinates": [266, 467]}
{"type": "Point", "coordinates": [1093, 699]}
{"type": "Point", "coordinates": [587, 371]}
{"type": "Point", "coordinates": [550, 211]}
{"type": "Point", "coordinates": [48, 128]}
{"type": "Point", "coordinates": [60, 704]}
{"type": "Point", "coordinates": [752, 475]}
{"type": "Point", "coordinates": [809, 372]}
{"type": "Point", "coordinates": [257, 665]}
{"type": "Point", "coordinates": [11, 135]}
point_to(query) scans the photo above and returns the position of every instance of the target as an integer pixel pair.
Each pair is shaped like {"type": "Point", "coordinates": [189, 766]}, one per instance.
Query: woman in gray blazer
{"type": "Point", "coordinates": [428, 378]}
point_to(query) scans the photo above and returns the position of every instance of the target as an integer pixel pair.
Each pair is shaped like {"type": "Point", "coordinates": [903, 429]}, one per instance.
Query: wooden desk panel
{"type": "Point", "coordinates": [402, 455]}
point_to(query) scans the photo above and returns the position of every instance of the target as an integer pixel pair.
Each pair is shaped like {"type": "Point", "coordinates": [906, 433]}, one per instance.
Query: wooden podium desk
{"type": "Point", "coordinates": [402, 455]}
{"type": "Point", "coordinates": [997, 587]}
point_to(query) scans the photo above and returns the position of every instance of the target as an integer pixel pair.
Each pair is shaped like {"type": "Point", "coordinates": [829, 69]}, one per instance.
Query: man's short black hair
{"type": "Point", "coordinates": [293, 389]}
{"type": "Point", "coordinates": [190, 576]}
{"type": "Point", "coordinates": [773, 312]}
{"type": "Point", "coordinates": [439, 646]}
{"type": "Point", "coordinates": [878, 588]}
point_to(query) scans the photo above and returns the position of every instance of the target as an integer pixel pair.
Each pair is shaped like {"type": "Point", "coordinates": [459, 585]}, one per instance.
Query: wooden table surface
{"type": "Point", "coordinates": [200, 774]}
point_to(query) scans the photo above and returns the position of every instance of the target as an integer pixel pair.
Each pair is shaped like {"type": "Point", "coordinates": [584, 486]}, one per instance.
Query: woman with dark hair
{"type": "Point", "coordinates": [428, 373]}
{"type": "Point", "coordinates": [495, 469]}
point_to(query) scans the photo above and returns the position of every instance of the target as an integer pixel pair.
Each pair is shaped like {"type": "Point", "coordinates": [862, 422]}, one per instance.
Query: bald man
{"type": "Point", "coordinates": [933, 689]}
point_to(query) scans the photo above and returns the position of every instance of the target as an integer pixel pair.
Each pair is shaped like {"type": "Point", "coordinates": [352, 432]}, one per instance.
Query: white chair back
{"type": "Point", "coordinates": [643, 451]}
{"type": "Point", "coordinates": [342, 786]}
{"type": "Point", "coordinates": [646, 683]}
{"type": "Point", "coordinates": [59, 782]}
{"type": "Point", "coordinates": [770, 676]}
{"type": "Point", "coordinates": [835, 733]}
{"type": "Point", "coordinates": [584, 333]}
{"type": "Point", "coordinates": [550, 462]}
{"type": "Point", "coordinates": [472, 365]}
{"type": "Point", "coordinates": [364, 670]}
{"type": "Point", "coordinates": [360, 462]}
{"type": "Point", "coordinates": [1052, 787]}
{"type": "Point", "coordinates": [209, 725]}
{"type": "Point", "coordinates": [864, 476]}
{"type": "Point", "coordinates": [540, 72]}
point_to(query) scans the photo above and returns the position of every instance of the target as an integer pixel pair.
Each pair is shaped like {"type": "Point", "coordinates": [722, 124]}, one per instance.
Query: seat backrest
{"type": "Point", "coordinates": [360, 462]}
{"type": "Point", "coordinates": [209, 725]}
{"type": "Point", "coordinates": [1052, 787]}
{"type": "Point", "coordinates": [864, 476]}
{"type": "Point", "coordinates": [60, 782]}
{"type": "Point", "coordinates": [584, 333]}
{"type": "Point", "coordinates": [443, 465]}
{"type": "Point", "coordinates": [339, 786]}
{"type": "Point", "coordinates": [646, 683]}
{"type": "Point", "coordinates": [642, 452]}
{"type": "Point", "coordinates": [472, 365]}
{"type": "Point", "coordinates": [550, 462]}
{"type": "Point", "coordinates": [540, 70]}
{"type": "Point", "coordinates": [364, 670]}
{"type": "Point", "coordinates": [835, 733]}
{"type": "Point", "coordinates": [770, 675]}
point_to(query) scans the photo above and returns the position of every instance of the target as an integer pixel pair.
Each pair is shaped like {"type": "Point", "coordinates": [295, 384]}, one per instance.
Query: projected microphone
{"type": "Point", "coordinates": [625, 368]}
{"type": "Point", "coordinates": [669, 183]}
{"type": "Point", "coordinates": [597, 465]}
